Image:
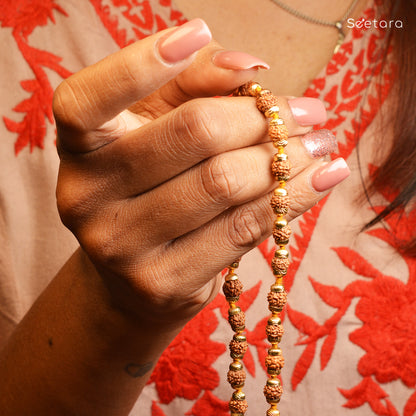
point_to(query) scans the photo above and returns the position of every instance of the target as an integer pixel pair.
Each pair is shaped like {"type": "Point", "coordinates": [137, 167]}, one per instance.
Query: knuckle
{"type": "Point", "coordinates": [220, 180]}
{"type": "Point", "coordinates": [74, 202]}
{"type": "Point", "coordinates": [67, 109]}
{"type": "Point", "coordinates": [247, 228]}
{"type": "Point", "coordinates": [200, 119]}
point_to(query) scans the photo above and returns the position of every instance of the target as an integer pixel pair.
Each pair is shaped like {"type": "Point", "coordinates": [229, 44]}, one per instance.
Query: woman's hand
{"type": "Point", "coordinates": [162, 185]}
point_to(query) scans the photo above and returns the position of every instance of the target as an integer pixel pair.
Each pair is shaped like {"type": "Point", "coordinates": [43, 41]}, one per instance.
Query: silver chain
{"type": "Point", "coordinates": [338, 24]}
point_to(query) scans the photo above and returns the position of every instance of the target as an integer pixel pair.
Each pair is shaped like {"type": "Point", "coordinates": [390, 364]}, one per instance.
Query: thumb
{"type": "Point", "coordinates": [98, 93]}
{"type": "Point", "coordinates": [214, 71]}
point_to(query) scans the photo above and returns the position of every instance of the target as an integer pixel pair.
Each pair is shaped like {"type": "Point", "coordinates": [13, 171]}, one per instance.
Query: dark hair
{"type": "Point", "coordinates": [398, 171]}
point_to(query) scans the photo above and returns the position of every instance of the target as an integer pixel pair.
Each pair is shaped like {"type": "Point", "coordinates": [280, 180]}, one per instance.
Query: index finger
{"type": "Point", "coordinates": [96, 94]}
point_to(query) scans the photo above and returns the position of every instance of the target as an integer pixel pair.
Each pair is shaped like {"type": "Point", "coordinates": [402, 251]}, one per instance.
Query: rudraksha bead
{"type": "Point", "coordinates": [236, 378]}
{"type": "Point", "coordinates": [237, 319]}
{"type": "Point", "coordinates": [281, 169]}
{"type": "Point", "coordinates": [238, 406]}
{"type": "Point", "coordinates": [273, 390]}
{"type": "Point", "coordinates": [232, 289]}
{"type": "Point", "coordinates": [280, 201]}
{"type": "Point", "coordinates": [251, 89]}
{"type": "Point", "coordinates": [277, 301]}
{"type": "Point", "coordinates": [274, 364]}
{"type": "Point", "coordinates": [281, 235]}
{"type": "Point", "coordinates": [238, 346]}
{"type": "Point", "coordinates": [278, 132]}
{"type": "Point", "coordinates": [274, 332]}
{"type": "Point", "coordinates": [279, 266]}
{"type": "Point", "coordinates": [266, 100]}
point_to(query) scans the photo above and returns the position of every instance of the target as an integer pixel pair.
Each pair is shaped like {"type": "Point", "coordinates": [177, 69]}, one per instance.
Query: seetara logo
{"type": "Point", "coordinates": [367, 24]}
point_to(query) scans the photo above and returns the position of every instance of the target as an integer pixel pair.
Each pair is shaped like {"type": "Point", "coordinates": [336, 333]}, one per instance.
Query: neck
{"type": "Point", "coordinates": [295, 49]}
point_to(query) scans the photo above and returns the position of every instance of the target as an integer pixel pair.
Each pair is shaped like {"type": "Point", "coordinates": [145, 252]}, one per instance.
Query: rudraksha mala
{"type": "Point", "coordinates": [232, 288]}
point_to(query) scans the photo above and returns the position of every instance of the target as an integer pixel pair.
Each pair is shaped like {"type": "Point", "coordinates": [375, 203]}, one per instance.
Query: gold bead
{"type": "Point", "coordinates": [281, 157]}
{"type": "Point", "coordinates": [272, 111]}
{"type": "Point", "coordinates": [239, 395]}
{"type": "Point", "coordinates": [277, 288]}
{"type": "Point", "coordinates": [237, 414]}
{"type": "Point", "coordinates": [280, 223]}
{"type": "Point", "coordinates": [236, 366]}
{"type": "Point", "coordinates": [234, 311]}
{"type": "Point", "coordinates": [281, 254]}
{"type": "Point", "coordinates": [231, 277]}
{"type": "Point", "coordinates": [274, 320]}
{"type": "Point", "coordinates": [274, 352]}
{"type": "Point", "coordinates": [273, 382]}
{"type": "Point", "coordinates": [239, 338]}
{"type": "Point", "coordinates": [264, 92]}
{"type": "Point", "coordinates": [272, 412]}
{"type": "Point", "coordinates": [280, 192]}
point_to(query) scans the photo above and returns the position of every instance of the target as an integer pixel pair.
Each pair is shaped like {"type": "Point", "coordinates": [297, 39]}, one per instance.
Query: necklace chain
{"type": "Point", "coordinates": [338, 24]}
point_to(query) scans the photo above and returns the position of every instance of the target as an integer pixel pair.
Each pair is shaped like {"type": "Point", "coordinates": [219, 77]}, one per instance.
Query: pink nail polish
{"type": "Point", "coordinates": [184, 41]}
{"type": "Point", "coordinates": [238, 60]}
{"type": "Point", "coordinates": [319, 143]}
{"type": "Point", "coordinates": [308, 111]}
{"type": "Point", "coordinates": [330, 175]}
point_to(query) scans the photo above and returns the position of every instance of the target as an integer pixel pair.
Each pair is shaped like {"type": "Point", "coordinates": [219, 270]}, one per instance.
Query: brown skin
{"type": "Point", "coordinates": [160, 205]}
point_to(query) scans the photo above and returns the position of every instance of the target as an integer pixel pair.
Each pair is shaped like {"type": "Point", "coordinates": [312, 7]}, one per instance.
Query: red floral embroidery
{"type": "Point", "coordinates": [156, 410]}
{"type": "Point", "coordinates": [137, 19]}
{"type": "Point", "coordinates": [387, 308]}
{"type": "Point", "coordinates": [193, 352]}
{"type": "Point", "coordinates": [209, 404]}
{"type": "Point", "coordinates": [24, 16]}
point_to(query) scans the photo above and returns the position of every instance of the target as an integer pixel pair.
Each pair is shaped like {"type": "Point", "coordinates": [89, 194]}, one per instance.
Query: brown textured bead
{"type": "Point", "coordinates": [281, 235]}
{"type": "Point", "coordinates": [238, 406]}
{"type": "Point", "coordinates": [274, 364]}
{"type": "Point", "coordinates": [280, 266]}
{"type": "Point", "coordinates": [281, 169]}
{"type": "Point", "coordinates": [280, 204]}
{"type": "Point", "coordinates": [274, 332]}
{"type": "Point", "coordinates": [232, 289]}
{"type": "Point", "coordinates": [238, 348]}
{"type": "Point", "coordinates": [265, 101]}
{"type": "Point", "coordinates": [237, 321]}
{"type": "Point", "coordinates": [278, 133]}
{"type": "Point", "coordinates": [249, 89]}
{"type": "Point", "coordinates": [236, 378]}
{"type": "Point", "coordinates": [277, 301]}
{"type": "Point", "coordinates": [273, 391]}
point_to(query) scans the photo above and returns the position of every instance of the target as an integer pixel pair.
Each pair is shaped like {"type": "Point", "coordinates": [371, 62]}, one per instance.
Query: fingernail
{"type": "Point", "coordinates": [184, 41]}
{"type": "Point", "coordinates": [308, 111]}
{"type": "Point", "coordinates": [319, 143]}
{"type": "Point", "coordinates": [330, 175]}
{"type": "Point", "coordinates": [238, 60]}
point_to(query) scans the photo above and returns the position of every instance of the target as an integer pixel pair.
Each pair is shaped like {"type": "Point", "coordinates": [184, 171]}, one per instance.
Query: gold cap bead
{"type": "Point", "coordinates": [273, 382]}
{"type": "Point", "coordinates": [274, 320]}
{"type": "Point", "coordinates": [272, 111]}
{"type": "Point", "coordinates": [280, 192]}
{"type": "Point", "coordinates": [281, 254]}
{"type": "Point", "coordinates": [234, 311]}
{"type": "Point", "coordinates": [239, 395]}
{"type": "Point", "coordinates": [280, 223]}
{"type": "Point", "coordinates": [277, 288]}
{"type": "Point", "coordinates": [236, 366]}
{"type": "Point", "coordinates": [239, 338]}
{"type": "Point", "coordinates": [231, 277]}
{"type": "Point", "coordinates": [275, 352]}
